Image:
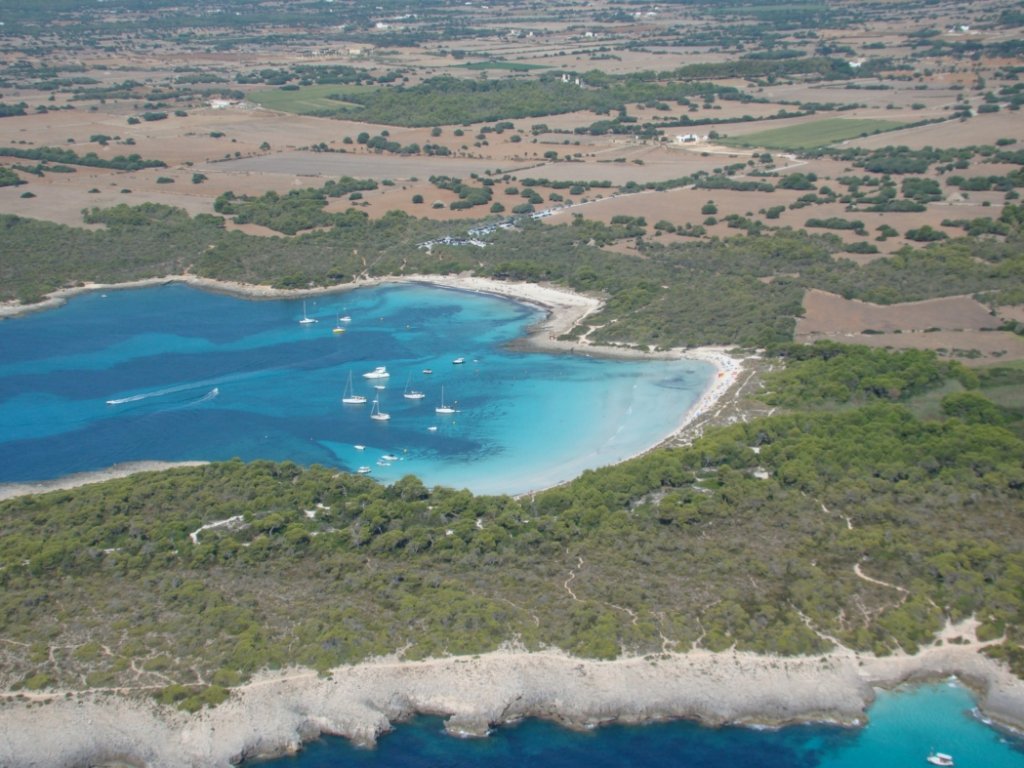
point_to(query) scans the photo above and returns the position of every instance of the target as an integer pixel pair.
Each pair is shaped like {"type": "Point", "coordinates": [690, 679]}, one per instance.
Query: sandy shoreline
{"type": "Point", "coordinates": [10, 490]}
{"type": "Point", "coordinates": [276, 712]}
{"type": "Point", "coordinates": [566, 309]}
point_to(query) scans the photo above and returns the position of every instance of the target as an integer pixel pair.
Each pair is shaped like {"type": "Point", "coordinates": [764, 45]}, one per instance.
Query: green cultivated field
{"type": "Point", "coordinates": [305, 101]}
{"type": "Point", "coordinates": [819, 133]}
{"type": "Point", "coordinates": [511, 66]}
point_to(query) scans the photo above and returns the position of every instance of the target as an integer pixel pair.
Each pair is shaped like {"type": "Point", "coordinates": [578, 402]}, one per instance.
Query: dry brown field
{"type": "Point", "coordinates": [361, 165]}
{"type": "Point", "coordinates": [235, 161]}
{"type": "Point", "coordinates": [980, 129]}
{"type": "Point", "coordinates": [945, 325]}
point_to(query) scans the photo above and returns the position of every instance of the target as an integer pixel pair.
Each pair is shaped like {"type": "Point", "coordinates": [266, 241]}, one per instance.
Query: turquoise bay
{"type": "Point", "coordinates": [172, 373]}
{"type": "Point", "coordinates": [904, 726]}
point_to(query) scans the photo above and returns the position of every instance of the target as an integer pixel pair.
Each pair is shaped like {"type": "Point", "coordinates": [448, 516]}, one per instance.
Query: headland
{"type": "Point", "coordinates": [276, 712]}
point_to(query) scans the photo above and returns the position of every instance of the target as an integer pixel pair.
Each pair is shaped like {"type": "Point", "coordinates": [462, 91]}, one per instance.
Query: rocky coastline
{"type": "Point", "coordinates": [276, 712]}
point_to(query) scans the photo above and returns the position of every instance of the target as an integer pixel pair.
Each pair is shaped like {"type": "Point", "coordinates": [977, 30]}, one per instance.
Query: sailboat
{"type": "Point", "coordinates": [412, 394]}
{"type": "Point", "coordinates": [350, 396]}
{"type": "Point", "coordinates": [338, 328]}
{"type": "Point", "coordinates": [306, 319]}
{"type": "Point", "coordinates": [376, 414]}
{"type": "Point", "coordinates": [442, 408]}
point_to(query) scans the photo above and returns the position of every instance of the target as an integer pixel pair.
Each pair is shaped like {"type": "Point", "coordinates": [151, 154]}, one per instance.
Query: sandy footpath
{"type": "Point", "coordinates": [276, 712]}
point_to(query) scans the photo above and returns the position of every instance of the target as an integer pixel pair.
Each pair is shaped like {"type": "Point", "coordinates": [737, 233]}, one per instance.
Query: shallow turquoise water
{"type": "Point", "coordinates": [196, 375]}
{"type": "Point", "coordinates": [172, 373]}
{"type": "Point", "coordinates": [904, 726]}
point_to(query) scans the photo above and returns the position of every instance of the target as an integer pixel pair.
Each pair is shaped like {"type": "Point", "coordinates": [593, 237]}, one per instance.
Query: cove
{"type": "Point", "coordinates": [173, 373]}
{"type": "Point", "coordinates": [904, 726]}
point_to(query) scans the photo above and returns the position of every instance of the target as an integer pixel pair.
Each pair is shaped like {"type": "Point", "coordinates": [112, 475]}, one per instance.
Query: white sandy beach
{"type": "Point", "coordinates": [566, 309]}
{"type": "Point", "coordinates": [10, 490]}
{"type": "Point", "coordinates": [276, 712]}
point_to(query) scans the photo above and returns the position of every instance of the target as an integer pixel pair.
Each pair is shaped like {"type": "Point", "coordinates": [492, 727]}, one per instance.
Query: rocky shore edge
{"type": "Point", "coordinates": [276, 712]}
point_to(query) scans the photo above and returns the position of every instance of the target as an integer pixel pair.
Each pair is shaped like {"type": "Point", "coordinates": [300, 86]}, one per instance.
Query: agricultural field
{"type": "Point", "coordinates": [588, 112]}
{"type": "Point", "coordinates": [308, 100]}
{"type": "Point", "coordinates": [814, 134]}
{"type": "Point", "coordinates": [830, 191]}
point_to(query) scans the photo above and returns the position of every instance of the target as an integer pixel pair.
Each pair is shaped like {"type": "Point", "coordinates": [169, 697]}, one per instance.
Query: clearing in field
{"type": "Point", "coordinates": [308, 100]}
{"type": "Point", "coordinates": [810, 135]}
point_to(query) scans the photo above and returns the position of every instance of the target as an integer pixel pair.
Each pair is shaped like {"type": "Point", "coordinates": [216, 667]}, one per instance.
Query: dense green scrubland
{"type": "Point", "coordinates": [744, 290]}
{"type": "Point", "coordinates": [749, 539]}
{"type": "Point", "coordinates": [883, 497]}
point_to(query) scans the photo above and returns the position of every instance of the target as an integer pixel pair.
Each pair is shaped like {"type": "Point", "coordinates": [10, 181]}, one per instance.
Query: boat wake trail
{"type": "Point", "coordinates": [208, 396]}
{"type": "Point", "coordinates": [161, 393]}
{"type": "Point", "coordinates": [191, 403]}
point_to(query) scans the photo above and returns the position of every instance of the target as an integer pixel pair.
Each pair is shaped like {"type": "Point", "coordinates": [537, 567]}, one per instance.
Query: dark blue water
{"type": "Point", "coordinates": [904, 727]}
{"type": "Point", "coordinates": [172, 373]}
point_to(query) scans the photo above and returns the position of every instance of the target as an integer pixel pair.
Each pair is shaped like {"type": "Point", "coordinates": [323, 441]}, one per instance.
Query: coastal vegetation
{"type": "Point", "coordinates": [752, 286]}
{"type": "Point", "coordinates": [880, 499]}
{"type": "Point", "coordinates": [844, 517]}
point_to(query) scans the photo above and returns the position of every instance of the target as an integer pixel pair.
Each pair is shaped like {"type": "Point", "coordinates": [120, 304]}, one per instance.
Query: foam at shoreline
{"type": "Point", "coordinates": [564, 310]}
{"type": "Point", "coordinates": [277, 711]}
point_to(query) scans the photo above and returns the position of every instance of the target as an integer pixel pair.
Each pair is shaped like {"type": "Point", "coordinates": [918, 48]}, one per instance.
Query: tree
{"type": "Point", "coordinates": [972, 408]}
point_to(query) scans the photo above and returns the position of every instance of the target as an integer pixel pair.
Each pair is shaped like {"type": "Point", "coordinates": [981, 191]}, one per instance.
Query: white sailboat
{"type": "Point", "coordinates": [375, 412]}
{"type": "Point", "coordinates": [444, 408]}
{"type": "Point", "coordinates": [349, 396]}
{"type": "Point", "coordinates": [412, 394]}
{"type": "Point", "coordinates": [306, 319]}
